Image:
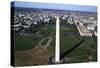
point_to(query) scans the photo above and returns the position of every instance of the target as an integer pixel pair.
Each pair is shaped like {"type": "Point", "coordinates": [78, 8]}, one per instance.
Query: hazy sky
{"type": "Point", "coordinates": [56, 6]}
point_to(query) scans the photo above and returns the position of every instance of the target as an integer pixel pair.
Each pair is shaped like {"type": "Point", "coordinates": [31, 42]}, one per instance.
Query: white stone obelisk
{"type": "Point", "coordinates": [57, 52]}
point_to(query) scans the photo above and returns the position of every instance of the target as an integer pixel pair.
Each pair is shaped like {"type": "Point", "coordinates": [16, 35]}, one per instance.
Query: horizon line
{"type": "Point", "coordinates": [55, 6]}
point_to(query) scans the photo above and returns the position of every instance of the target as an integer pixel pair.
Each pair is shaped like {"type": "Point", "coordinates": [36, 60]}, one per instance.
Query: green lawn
{"type": "Point", "coordinates": [69, 37]}
{"type": "Point", "coordinates": [47, 28]}
{"type": "Point", "coordinates": [24, 42]}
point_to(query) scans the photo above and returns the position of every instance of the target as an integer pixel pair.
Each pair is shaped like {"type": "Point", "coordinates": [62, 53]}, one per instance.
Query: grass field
{"type": "Point", "coordinates": [28, 44]}
{"type": "Point", "coordinates": [28, 41]}
{"type": "Point", "coordinates": [28, 49]}
{"type": "Point", "coordinates": [69, 37]}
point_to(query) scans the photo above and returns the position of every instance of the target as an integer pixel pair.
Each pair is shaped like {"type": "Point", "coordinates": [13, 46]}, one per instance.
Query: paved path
{"type": "Point", "coordinates": [41, 41]}
{"type": "Point", "coordinates": [48, 42]}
